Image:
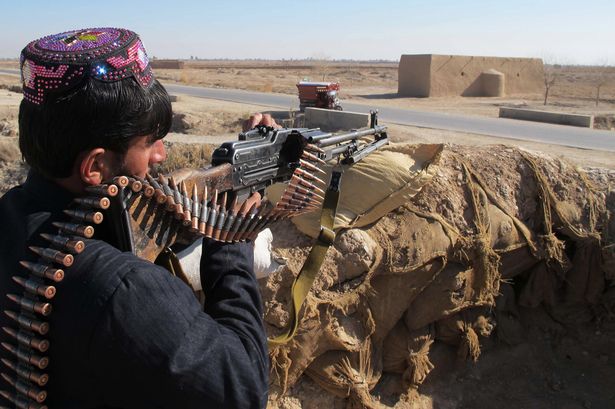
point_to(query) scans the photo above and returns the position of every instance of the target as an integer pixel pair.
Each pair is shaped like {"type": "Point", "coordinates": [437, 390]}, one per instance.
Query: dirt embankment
{"type": "Point", "coordinates": [492, 287]}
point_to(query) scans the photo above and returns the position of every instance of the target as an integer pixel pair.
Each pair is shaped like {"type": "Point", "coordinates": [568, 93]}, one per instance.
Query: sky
{"type": "Point", "coordinates": [565, 32]}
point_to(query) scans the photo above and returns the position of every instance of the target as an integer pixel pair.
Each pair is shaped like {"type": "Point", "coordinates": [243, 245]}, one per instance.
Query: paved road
{"type": "Point", "coordinates": [505, 128]}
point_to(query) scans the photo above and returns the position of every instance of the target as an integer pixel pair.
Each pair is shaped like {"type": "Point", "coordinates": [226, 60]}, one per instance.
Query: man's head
{"type": "Point", "coordinates": [92, 108]}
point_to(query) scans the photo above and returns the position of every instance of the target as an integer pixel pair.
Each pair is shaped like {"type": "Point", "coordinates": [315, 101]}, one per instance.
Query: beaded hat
{"type": "Point", "coordinates": [55, 64]}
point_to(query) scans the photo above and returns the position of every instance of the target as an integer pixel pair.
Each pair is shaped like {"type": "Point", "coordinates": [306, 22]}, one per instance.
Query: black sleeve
{"type": "Point", "coordinates": [157, 348]}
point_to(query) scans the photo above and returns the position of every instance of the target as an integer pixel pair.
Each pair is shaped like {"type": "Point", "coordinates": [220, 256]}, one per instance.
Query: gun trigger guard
{"type": "Point", "coordinates": [326, 236]}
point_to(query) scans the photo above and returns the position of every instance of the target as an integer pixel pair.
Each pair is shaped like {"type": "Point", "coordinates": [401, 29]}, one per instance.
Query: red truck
{"type": "Point", "coordinates": [318, 95]}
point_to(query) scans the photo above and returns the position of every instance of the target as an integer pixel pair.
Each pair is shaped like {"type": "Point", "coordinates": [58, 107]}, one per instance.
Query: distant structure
{"type": "Point", "coordinates": [167, 64]}
{"type": "Point", "coordinates": [432, 75]}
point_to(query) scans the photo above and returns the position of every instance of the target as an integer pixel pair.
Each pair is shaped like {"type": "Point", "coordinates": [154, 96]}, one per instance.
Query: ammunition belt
{"type": "Point", "coordinates": [147, 215]}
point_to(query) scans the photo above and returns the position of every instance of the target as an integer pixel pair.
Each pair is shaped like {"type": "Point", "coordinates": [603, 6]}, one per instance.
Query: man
{"type": "Point", "coordinates": [124, 333]}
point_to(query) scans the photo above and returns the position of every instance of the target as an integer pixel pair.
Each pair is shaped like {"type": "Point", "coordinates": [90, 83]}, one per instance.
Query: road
{"type": "Point", "coordinates": [505, 128]}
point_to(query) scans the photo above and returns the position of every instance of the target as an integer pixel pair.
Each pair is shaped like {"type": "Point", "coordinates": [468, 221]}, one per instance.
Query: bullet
{"type": "Point", "coordinates": [304, 191]}
{"type": "Point", "coordinates": [299, 196]}
{"type": "Point", "coordinates": [213, 215]}
{"type": "Point", "coordinates": [43, 308]}
{"type": "Point", "coordinates": [248, 223]}
{"type": "Point", "coordinates": [158, 192]}
{"type": "Point", "coordinates": [168, 192]}
{"type": "Point", "coordinates": [211, 221]}
{"type": "Point", "coordinates": [44, 271]}
{"type": "Point", "coordinates": [187, 221]}
{"type": "Point", "coordinates": [65, 243]}
{"type": "Point", "coordinates": [309, 166]}
{"type": "Point", "coordinates": [234, 229]}
{"type": "Point", "coordinates": [21, 402]}
{"type": "Point", "coordinates": [296, 203]}
{"type": "Point", "coordinates": [313, 158]}
{"type": "Point", "coordinates": [28, 339]}
{"type": "Point", "coordinates": [135, 185]}
{"type": "Point", "coordinates": [77, 229]}
{"type": "Point", "coordinates": [279, 214]}
{"type": "Point", "coordinates": [85, 216]}
{"type": "Point", "coordinates": [195, 209]}
{"type": "Point", "coordinates": [179, 203]}
{"type": "Point", "coordinates": [314, 148]}
{"type": "Point", "coordinates": [265, 219]}
{"type": "Point", "coordinates": [40, 327]}
{"type": "Point", "coordinates": [35, 286]}
{"type": "Point", "coordinates": [204, 213]}
{"type": "Point", "coordinates": [241, 220]}
{"type": "Point", "coordinates": [224, 203]}
{"type": "Point", "coordinates": [230, 219]}
{"type": "Point", "coordinates": [121, 181]}
{"type": "Point", "coordinates": [263, 211]}
{"type": "Point", "coordinates": [103, 190]}
{"type": "Point", "coordinates": [147, 190]}
{"type": "Point", "coordinates": [221, 218]}
{"type": "Point", "coordinates": [94, 202]}
{"type": "Point", "coordinates": [308, 176]}
{"type": "Point", "coordinates": [300, 181]}
{"type": "Point", "coordinates": [55, 256]}
{"type": "Point", "coordinates": [27, 372]}
{"type": "Point", "coordinates": [25, 389]}
{"type": "Point", "coordinates": [241, 213]}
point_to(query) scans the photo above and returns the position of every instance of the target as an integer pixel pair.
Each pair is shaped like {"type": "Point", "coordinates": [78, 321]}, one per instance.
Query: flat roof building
{"type": "Point", "coordinates": [433, 75]}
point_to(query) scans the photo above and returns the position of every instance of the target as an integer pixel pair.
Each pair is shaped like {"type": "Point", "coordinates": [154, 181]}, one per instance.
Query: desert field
{"type": "Point", "coordinates": [554, 365]}
{"type": "Point", "coordinates": [574, 89]}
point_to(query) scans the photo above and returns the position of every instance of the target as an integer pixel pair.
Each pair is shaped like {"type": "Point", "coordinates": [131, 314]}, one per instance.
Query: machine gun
{"type": "Point", "coordinates": [263, 156]}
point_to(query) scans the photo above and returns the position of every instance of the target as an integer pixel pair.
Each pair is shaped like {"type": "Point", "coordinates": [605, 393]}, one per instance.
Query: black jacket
{"type": "Point", "coordinates": [125, 333]}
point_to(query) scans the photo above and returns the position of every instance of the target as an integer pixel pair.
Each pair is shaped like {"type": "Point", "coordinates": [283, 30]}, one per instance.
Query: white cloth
{"type": "Point", "coordinates": [190, 259]}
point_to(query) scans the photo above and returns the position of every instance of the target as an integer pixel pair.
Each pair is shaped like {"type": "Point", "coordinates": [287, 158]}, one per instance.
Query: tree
{"type": "Point", "coordinates": [321, 63]}
{"type": "Point", "coordinates": [551, 73]}
{"type": "Point", "coordinates": [602, 74]}
{"type": "Point", "coordinates": [550, 79]}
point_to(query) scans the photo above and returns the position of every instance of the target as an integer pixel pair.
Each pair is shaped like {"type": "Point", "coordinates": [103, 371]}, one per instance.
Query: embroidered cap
{"type": "Point", "coordinates": [54, 65]}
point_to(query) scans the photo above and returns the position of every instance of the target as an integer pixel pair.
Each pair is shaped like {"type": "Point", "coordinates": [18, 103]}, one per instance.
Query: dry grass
{"type": "Point", "coordinates": [281, 77]}
{"type": "Point", "coordinates": [186, 155]}
{"type": "Point", "coordinates": [9, 150]}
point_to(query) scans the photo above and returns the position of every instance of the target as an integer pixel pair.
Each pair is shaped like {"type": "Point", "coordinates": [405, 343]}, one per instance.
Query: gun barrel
{"type": "Point", "coordinates": [334, 140]}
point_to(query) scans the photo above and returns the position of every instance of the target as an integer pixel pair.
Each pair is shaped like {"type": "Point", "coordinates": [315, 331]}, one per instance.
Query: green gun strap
{"type": "Point", "coordinates": [311, 266]}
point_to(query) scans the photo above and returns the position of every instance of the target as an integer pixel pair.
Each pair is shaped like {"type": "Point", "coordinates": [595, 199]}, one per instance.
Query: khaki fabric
{"type": "Point", "coordinates": [370, 189]}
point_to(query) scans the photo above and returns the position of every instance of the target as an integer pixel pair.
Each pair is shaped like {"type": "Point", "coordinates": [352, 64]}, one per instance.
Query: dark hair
{"type": "Point", "coordinates": [98, 114]}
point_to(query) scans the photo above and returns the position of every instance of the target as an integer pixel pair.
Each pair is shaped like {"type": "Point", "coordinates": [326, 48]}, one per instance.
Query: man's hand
{"type": "Point", "coordinates": [259, 119]}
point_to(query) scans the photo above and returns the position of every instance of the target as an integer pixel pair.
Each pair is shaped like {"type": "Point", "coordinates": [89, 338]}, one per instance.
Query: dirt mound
{"type": "Point", "coordinates": [496, 231]}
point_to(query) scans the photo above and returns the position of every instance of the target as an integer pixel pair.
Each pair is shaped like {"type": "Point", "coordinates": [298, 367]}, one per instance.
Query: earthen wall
{"type": "Point", "coordinates": [431, 75]}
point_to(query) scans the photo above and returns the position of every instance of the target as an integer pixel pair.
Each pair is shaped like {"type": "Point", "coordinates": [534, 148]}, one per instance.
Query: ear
{"type": "Point", "coordinates": [94, 166]}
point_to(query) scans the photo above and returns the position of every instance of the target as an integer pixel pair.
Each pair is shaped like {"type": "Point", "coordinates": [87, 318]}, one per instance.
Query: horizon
{"type": "Point", "coordinates": [559, 32]}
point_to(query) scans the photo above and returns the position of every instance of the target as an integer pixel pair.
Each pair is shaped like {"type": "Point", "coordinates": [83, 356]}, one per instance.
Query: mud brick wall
{"type": "Point", "coordinates": [431, 75]}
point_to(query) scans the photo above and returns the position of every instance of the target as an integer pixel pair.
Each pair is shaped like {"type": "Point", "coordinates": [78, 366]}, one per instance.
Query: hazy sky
{"type": "Point", "coordinates": [563, 31]}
